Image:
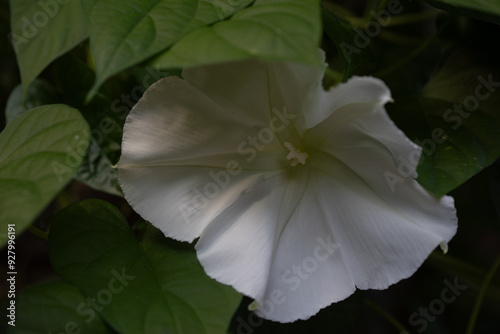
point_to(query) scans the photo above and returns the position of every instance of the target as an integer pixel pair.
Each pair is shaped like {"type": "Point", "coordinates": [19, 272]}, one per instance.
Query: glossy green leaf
{"type": "Point", "coordinates": [39, 93]}
{"type": "Point", "coordinates": [40, 152]}
{"type": "Point", "coordinates": [55, 307]}
{"type": "Point", "coordinates": [456, 121]}
{"type": "Point", "coordinates": [462, 100]}
{"type": "Point", "coordinates": [44, 30]}
{"type": "Point", "coordinates": [126, 33]}
{"type": "Point", "coordinates": [155, 285]}
{"type": "Point", "coordinates": [486, 10]}
{"type": "Point", "coordinates": [269, 29]}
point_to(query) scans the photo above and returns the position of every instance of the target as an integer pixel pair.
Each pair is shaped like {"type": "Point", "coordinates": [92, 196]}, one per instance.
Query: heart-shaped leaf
{"type": "Point", "coordinates": [269, 29]}
{"type": "Point", "coordinates": [152, 285]}
{"type": "Point", "coordinates": [126, 33]}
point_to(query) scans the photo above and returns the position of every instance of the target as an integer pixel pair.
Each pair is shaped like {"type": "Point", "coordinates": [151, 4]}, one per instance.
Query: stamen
{"type": "Point", "coordinates": [295, 155]}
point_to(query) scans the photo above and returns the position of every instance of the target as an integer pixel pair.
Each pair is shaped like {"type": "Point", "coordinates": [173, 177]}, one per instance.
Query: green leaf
{"type": "Point", "coordinates": [44, 30]}
{"type": "Point", "coordinates": [210, 11]}
{"type": "Point", "coordinates": [457, 122]}
{"type": "Point", "coordinates": [485, 10]}
{"type": "Point", "coordinates": [126, 33]}
{"type": "Point", "coordinates": [55, 307]}
{"type": "Point", "coordinates": [39, 93]}
{"type": "Point", "coordinates": [40, 152]}
{"type": "Point", "coordinates": [269, 29]}
{"type": "Point", "coordinates": [156, 285]}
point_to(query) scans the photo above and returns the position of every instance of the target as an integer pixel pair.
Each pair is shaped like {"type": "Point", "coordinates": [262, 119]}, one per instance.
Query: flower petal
{"type": "Point", "coordinates": [385, 232]}
{"type": "Point", "coordinates": [174, 122]}
{"type": "Point", "coordinates": [367, 91]}
{"type": "Point", "coordinates": [236, 247]}
{"type": "Point", "coordinates": [238, 87]}
{"type": "Point", "coordinates": [385, 159]}
{"type": "Point", "coordinates": [380, 245]}
{"type": "Point", "coordinates": [182, 201]}
{"type": "Point", "coordinates": [283, 253]}
{"type": "Point", "coordinates": [178, 147]}
{"type": "Point", "coordinates": [308, 272]}
{"type": "Point", "coordinates": [255, 87]}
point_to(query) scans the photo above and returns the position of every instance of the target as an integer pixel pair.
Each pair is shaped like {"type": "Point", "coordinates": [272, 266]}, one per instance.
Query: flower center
{"type": "Point", "coordinates": [295, 155]}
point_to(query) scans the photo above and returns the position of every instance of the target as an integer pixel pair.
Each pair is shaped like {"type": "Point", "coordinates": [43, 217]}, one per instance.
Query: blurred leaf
{"type": "Point", "coordinates": [44, 30]}
{"type": "Point", "coordinates": [162, 287]}
{"type": "Point", "coordinates": [126, 33]}
{"type": "Point", "coordinates": [269, 29]}
{"type": "Point", "coordinates": [39, 93]}
{"type": "Point", "coordinates": [40, 152]}
{"type": "Point", "coordinates": [342, 34]}
{"type": "Point", "coordinates": [485, 10]}
{"type": "Point", "coordinates": [55, 307]}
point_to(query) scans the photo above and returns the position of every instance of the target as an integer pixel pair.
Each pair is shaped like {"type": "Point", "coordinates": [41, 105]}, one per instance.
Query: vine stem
{"type": "Point", "coordinates": [333, 75]}
{"type": "Point", "coordinates": [39, 233]}
{"type": "Point", "coordinates": [399, 326]}
{"type": "Point", "coordinates": [482, 293]}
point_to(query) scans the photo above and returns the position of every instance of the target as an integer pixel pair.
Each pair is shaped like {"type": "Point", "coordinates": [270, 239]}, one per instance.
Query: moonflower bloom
{"type": "Point", "coordinates": [298, 195]}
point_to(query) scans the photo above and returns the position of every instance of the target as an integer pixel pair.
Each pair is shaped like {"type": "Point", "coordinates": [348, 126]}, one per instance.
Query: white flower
{"type": "Point", "coordinates": [285, 184]}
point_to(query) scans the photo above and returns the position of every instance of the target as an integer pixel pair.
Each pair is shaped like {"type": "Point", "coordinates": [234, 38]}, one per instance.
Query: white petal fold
{"type": "Point", "coordinates": [282, 254]}
{"type": "Point", "coordinates": [380, 244]}
{"type": "Point", "coordinates": [174, 122]}
{"type": "Point", "coordinates": [367, 92]}
{"type": "Point", "coordinates": [386, 222]}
